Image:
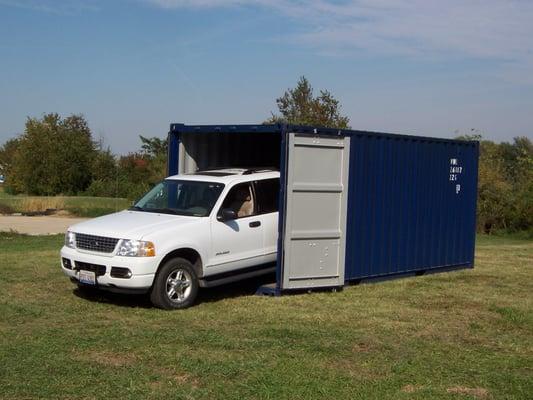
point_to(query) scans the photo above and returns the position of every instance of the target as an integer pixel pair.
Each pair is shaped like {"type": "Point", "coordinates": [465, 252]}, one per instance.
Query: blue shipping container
{"type": "Point", "coordinates": [354, 205]}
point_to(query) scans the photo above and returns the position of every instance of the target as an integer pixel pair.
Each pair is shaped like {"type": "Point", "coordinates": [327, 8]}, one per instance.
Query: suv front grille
{"type": "Point", "coordinates": [99, 270]}
{"type": "Point", "coordinates": [95, 243]}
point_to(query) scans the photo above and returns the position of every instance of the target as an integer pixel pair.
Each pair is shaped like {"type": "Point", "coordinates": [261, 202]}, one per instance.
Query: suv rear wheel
{"type": "Point", "coordinates": [175, 285]}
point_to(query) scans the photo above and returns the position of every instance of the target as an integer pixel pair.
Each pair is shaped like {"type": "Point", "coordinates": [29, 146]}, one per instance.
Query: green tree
{"type": "Point", "coordinates": [54, 155]}
{"type": "Point", "coordinates": [134, 175]}
{"type": "Point", "coordinates": [299, 106]}
{"type": "Point", "coordinates": [154, 146]}
{"type": "Point", "coordinates": [104, 174]}
{"type": "Point", "coordinates": [505, 185]}
{"type": "Point", "coordinates": [518, 161]}
{"type": "Point", "coordinates": [154, 151]}
{"type": "Point", "coordinates": [104, 165]}
{"type": "Point", "coordinates": [129, 175]}
{"type": "Point", "coordinates": [7, 157]}
{"type": "Point", "coordinates": [494, 190]}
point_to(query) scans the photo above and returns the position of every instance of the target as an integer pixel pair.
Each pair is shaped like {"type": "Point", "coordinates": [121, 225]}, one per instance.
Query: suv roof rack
{"type": "Point", "coordinates": [224, 171]}
{"type": "Point", "coordinates": [249, 171]}
{"type": "Point", "coordinates": [221, 171]}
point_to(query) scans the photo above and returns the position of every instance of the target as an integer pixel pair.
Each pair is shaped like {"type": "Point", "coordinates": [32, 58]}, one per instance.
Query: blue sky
{"type": "Point", "coordinates": [134, 66]}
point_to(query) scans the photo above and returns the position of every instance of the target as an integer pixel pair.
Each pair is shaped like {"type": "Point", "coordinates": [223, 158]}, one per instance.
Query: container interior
{"type": "Point", "coordinates": [201, 151]}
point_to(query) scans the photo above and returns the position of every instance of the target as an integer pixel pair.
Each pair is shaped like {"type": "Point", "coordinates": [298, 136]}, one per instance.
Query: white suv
{"type": "Point", "coordinates": [189, 231]}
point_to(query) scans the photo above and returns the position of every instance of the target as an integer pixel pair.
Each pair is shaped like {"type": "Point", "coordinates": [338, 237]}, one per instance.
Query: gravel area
{"type": "Point", "coordinates": [45, 225]}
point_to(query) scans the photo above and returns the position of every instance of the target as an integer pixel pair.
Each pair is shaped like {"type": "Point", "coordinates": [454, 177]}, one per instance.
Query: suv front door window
{"type": "Point", "coordinates": [240, 200]}
{"type": "Point", "coordinates": [237, 243]}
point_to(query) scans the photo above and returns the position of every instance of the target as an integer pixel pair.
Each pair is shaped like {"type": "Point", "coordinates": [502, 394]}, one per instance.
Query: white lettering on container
{"type": "Point", "coordinates": [455, 171]}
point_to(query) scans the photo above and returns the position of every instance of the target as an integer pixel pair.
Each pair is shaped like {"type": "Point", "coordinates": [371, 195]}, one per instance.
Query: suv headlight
{"type": "Point", "coordinates": [70, 239]}
{"type": "Point", "coordinates": [136, 248]}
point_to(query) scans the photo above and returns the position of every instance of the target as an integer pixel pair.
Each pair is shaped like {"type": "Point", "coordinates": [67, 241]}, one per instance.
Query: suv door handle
{"type": "Point", "coordinates": [255, 224]}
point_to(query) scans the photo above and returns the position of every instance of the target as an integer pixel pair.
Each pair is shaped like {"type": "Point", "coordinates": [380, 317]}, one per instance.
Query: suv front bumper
{"type": "Point", "coordinates": [142, 270]}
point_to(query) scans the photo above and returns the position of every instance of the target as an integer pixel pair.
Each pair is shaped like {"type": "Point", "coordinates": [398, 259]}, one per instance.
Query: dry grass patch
{"type": "Point", "coordinates": [411, 388]}
{"type": "Point", "coordinates": [177, 377]}
{"type": "Point", "coordinates": [40, 204]}
{"type": "Point", "coordinates": [478, 393]}
{"type": "Point", "coordinates": [364, 347]}
{"type": "Point", "coordinates": [108, 358]}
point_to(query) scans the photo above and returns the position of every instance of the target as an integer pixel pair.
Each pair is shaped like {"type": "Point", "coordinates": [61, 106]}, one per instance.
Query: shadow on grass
{"type": "Point", "coordinates": [246, 287]}
{"type": "Point", "coordinates": [118, 299]}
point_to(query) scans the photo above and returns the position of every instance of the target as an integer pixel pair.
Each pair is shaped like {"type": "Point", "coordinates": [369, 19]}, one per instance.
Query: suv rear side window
{"type": "Point", "coordinates": [267, 195]}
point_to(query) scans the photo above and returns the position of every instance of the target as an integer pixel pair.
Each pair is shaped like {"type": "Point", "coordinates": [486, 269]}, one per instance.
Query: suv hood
{"type": "Point", "coordinates": [131, 224]}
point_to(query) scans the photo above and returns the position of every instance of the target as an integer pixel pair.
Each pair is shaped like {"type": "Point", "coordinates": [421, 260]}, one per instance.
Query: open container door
{"type": "Point", "coordinates": [314, 223]}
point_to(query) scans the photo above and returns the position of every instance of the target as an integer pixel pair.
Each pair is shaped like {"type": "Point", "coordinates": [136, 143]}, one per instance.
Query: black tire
{"type": "Point", "coordinates": [177, 274]}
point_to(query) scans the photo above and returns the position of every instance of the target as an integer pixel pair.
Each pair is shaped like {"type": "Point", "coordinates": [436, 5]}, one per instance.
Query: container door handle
{"type": "Point", "coordinates": [255, 224]}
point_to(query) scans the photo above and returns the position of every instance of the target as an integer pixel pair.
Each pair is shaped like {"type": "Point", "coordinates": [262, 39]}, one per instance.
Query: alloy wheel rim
{"type": "Point", "coordinates": [178, 285]}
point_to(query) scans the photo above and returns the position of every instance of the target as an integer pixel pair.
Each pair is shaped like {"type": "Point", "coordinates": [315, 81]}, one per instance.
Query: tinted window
{"type": "Point", "coordinates": [268, 195]}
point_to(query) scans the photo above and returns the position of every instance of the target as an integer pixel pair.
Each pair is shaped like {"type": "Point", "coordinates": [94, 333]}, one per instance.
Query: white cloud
{"type": "Point", "coordinates": [496, 30]}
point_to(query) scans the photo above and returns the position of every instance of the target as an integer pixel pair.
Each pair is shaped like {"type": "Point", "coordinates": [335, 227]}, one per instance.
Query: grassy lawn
{"type": "Point", "coordinates": [459, 335]}
{"type": "Point", "coordinates": [81, 206]}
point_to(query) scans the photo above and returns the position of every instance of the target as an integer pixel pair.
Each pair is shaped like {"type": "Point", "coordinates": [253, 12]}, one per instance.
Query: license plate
{"type": "Point", "coordinates": [87, 277]}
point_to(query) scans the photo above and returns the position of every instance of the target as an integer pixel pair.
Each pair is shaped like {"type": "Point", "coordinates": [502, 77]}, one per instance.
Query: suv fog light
{"type": "Point", "coordinates": [120, 272]}
{"type": "Point", "coordinates": [66, 263]}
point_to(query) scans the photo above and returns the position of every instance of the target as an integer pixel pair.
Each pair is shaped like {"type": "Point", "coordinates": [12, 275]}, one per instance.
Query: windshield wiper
{"type": "Point", "coordinates": [162, 210]}
{"type": "Point", "coordinates": [136, 208]}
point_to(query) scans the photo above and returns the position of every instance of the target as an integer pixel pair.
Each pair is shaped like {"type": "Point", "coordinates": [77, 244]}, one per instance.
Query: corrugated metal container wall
{"type": "Point", "coordinates": [412, 204]}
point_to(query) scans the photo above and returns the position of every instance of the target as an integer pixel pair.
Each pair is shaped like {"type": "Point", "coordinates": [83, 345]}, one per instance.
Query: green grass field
{"type": "Point", "coordinates": [458, 335]}
{"type": "Point", "coordinates": [81, 206]}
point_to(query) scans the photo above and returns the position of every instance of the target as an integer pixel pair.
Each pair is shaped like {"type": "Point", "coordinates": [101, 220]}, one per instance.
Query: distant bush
{"type": "Point", "coordinates": [102, 188]}
{"type": "Point", "coordinates": [122, 189]}
{"type": "Point", "coordinates": [505, 186]}
{"type": "Point", "coordinates": [9, 190]}
{"type": "Point", "coordinates": [6, 209]}
{"type": "Point", "coordinates": [134, 191]}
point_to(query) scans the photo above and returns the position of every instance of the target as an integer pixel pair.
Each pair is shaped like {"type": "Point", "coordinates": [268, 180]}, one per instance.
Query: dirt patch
{"type": "Point", "coordinates": [155, 385]}
{"type": "Point", "coordinates": [356, 368]}
{"type": "Point", "coordinates": [109, 359]}
{"type": "Point", "coordinates": [367, 346]}
{"type": "Point", "coordinates": [479, 393]}
{"type": "Point", "coordinates": [411, 388]}
{"type": "Point", "coordinates": [63, 213]}
{"type": "Point", "coordinates": [181, 378]}
{"type": "Point", "coordinates": [37, 225]}
{"type": "Point", "coordinates": [186, 378]}
{"type": "Point", "coordinates": [362, 347]}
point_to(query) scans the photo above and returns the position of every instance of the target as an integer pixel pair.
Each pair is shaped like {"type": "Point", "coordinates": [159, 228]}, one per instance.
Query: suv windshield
{"type": "Point", "coordinates": [191, 198]}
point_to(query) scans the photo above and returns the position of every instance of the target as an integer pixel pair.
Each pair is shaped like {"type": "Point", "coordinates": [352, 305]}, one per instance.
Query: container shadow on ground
{"type": "Point", "coordinates": [246, 287]}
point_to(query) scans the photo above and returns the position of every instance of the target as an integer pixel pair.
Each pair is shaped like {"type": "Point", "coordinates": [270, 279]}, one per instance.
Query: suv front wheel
{"type": "Point", "coordinates": [175, 285]}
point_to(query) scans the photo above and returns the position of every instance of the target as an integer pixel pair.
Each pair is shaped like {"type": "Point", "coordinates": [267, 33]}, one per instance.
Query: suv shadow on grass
{"type": "Point", "coordinates": [247, 287]}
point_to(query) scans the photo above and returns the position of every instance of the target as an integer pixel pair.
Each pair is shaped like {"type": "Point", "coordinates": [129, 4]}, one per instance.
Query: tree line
{"type": "Point", "coordinates": [505, 185]}
{"type": "Point", "coordinates": [56, 155]}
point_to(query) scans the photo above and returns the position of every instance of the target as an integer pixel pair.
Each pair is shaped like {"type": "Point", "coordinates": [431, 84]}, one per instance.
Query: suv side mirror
{"type": "Point", "coordinates": [226, 214]}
